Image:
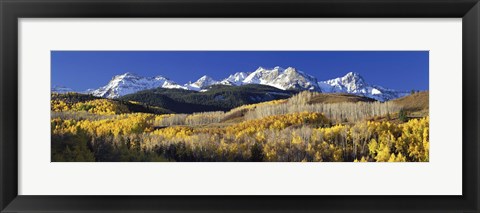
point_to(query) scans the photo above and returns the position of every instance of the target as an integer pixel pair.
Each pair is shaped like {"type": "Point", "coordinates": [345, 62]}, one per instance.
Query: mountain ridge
{"type": "Point", "coordinates": [215, 98]}
{"type": "Point", "coordinates": [128, 83]}
{"type": "Point", "coordinates": [354, 83]}
{"type": "Point", "coordinates": [278, 77]}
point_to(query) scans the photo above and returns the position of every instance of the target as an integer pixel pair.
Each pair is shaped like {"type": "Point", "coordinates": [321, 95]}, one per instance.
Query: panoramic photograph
{"type": "Point", "coordinates": [239, 106]}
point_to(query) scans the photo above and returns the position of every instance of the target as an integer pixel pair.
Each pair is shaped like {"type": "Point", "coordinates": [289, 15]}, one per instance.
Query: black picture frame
{"type": "Point", "coordinates": [12, 10]}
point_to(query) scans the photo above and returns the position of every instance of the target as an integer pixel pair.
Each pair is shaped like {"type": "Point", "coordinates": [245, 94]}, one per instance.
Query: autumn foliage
{"type": "Point", "coordinates": [109, 132]}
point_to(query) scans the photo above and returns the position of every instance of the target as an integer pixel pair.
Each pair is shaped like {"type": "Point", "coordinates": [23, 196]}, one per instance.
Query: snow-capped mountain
{"type": "Point", "coordinates": [235, 79]}
{"type": "Point", "coordinates": [130, 83]}
{"type": "Point", "coordinates": [201, 83]}
{"type": "Point", "coordinates": [353, 83]}
{"type": "Point", "coordinates": [289, 78]}
{"type": "Point", "coordinates": [61, 89]}
{"type": "Point", "coordinates": [278, 77]}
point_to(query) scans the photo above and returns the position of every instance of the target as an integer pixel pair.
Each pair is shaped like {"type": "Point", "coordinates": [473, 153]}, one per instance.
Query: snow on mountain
{"type": "Point", "coordinates": [130, 83]}
{"type": "Point", "coordinates": [290, 78]}
{"type": "Point", "coordinates": [235, 79]}
{"type": "Point", "coordinates": [354, 83]}
{"type": "Point", "coordinates": [61, 89]}
{"type": "Point", "coordinates": [201, 83]}
{"type": "Point", "coordinates": [281, 78]}
{"type": "Point", "coordinates": [87, 91]}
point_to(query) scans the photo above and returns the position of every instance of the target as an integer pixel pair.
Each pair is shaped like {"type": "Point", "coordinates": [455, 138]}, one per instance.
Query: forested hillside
{"type": "Point", "coordinates": [244, 123]}
{"type": "Point", "coordinates": [217, 98]}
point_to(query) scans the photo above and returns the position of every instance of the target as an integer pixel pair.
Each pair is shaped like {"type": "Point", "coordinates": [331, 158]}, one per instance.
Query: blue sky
{"type": "Point", "coordinates": [81, 70]}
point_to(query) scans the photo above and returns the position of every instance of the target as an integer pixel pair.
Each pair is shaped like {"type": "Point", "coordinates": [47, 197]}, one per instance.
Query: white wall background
{"type": "Point", "coordinates": [441, 176]}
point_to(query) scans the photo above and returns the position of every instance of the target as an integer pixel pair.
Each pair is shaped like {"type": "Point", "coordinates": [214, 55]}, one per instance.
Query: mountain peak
{"type": "Point", "coordinates": [279, 68]}
{"type": "Point", "coordinates": [160, 77]}
{"type": "Point", "coordinates": [260, 68]}
{"type": "Point", "coordinates": [127, 74]}
{"type": "Point", "coordinates": [202, 82]}
{"type": "Point", "coordinates": [204, 78]}
{"type": "Point", "coordinates": [129, 82]}
{"type": "Point", "coordinates": [235, 79]}
{"type": "Point", "coordinates": [282, 78]}
{"type": "Point", "coordinates": [239, 74]}
{"type": "Point", "coordinates": [355, 75]}
{"type": "Point", "coordinates": [352, 74]}
{"type": "Point", "coordinates": [292, 70]}
{"type": "Point", "coordinates": [354, 83]}
{"type": "Point", "coordinates": [353, 78]}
